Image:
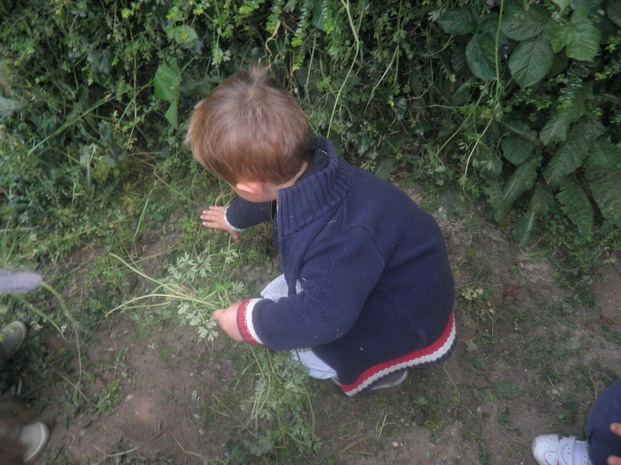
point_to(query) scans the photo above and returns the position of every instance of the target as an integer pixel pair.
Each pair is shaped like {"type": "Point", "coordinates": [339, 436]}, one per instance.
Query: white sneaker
{"type": "Point", "coordinates": [33, 437]}
{"type": "Point", "coordinates": [553, 449]}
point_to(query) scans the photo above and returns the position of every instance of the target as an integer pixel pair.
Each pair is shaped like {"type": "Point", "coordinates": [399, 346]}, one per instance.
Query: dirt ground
{"type": "Point", "coordinates": [531, 359]}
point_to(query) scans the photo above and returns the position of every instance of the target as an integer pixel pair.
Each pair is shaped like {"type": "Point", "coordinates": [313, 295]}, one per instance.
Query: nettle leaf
{"type": "Point", "coordinates": [481, 56]}
{"type": "Point", "coordinates": [541, 202]}
{"type": "Point", "coordinates": [606, 189]}
{"type": "Point", "coordinates": [530, 61]}
{"type": "Point", "coordinates": [604, 155]}
{"type": "Point", "coordinates": [573, 151]}
{"type": "Point", "coordinates": [613, 11]}
{"type": "Point", "coordinates": [167, 81]}
{"type": "Point", "coordinates": [459, 21]}
{"type": "Point", "coordinates": [516, 149]}
{"type": "Point", "coordinates": [576, 204]}
{"type": "Point", "coordinates": [522, 24]}
{"type": "Point", "coordinates": [520, 181]}
{"type": "Point", "coordinates": [580, 37]}
{"type": "Point", "coordinates": [584, 39]}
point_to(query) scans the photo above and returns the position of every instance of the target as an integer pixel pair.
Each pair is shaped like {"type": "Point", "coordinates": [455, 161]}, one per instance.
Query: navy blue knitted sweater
{"type": "Point", "coordinates": [374, 287]}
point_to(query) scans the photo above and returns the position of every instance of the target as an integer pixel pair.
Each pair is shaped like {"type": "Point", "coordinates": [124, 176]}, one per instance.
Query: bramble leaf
{"type": "Point", "coordinates": [480, 56]}
{"type": "Point", "coordinates": [516, 149]}
{"type": "Point", "coordinates": [523, 24]}
{"type": "Point", "coordinates": [584, 38]}
{"type": "Point", "coordinates": [459, 21]}
{"type": "Point", "coordinates": [530, 61]}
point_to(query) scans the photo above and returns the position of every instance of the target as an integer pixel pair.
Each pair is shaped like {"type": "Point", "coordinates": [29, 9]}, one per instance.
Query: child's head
{"type": "Point", "coordinates": [250, 129]}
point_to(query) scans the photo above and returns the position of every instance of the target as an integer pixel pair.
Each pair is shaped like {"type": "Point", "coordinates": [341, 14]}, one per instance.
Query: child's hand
{"type": "Point", "coordinates": [227, 320]}
{"type": "Point", "coordinates": [616, 429]}
{"type": "Point", "coordinates": [214, 218]}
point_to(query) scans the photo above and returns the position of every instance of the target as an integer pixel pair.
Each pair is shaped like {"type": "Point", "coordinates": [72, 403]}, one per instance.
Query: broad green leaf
{"type": "Point", "coordinates": [530, 61]}
{"type": "Point", "coordinates": [604, 155]}
{"type": "Point", "coordinates": [519, 128]}
{"type": "Point", "coordinates": [606, 189]}
{"type": "Point", "coordinates": [171, 114]}
{"type": "Point", "coordinates": [521, 24]}
{"type": "Point", "coordinates": [575, 203]}
{"type": "Point", "coordinates": [559, 63]}
{"type": "Point", "coordinates": [385, 168]}
{"type": "Point", "coordinates": [167, 81]}
{"type": "Point", "coordinates": [573, 151]}
{"type": "Point", "coordinates": [459, 21]}
{"type": "Point", "coordinates": [541, 202]}
{"type": "Point", "coordinates": [555, 129]}
{"type": "Point", "coordinates": [8, 107]}
{"type": "Point", "coordinates": [522, 180]}
{"type": "Point", "coordinates": [614, 12]}
{"type": "Point", "coordinates": [583, 37]}
{"type": "Point", "coordinates": [493, 191]}
{"type": "Point", "coordinates": [480, 56]}
{"type": "Point", "coordinates": [559, 36]}
{"type": "Point", "coordinates": [458, 60]}
{"type": "Point", "coordinates": [523, 228]}
{"type": "Point", "coordinates": [516, 149]}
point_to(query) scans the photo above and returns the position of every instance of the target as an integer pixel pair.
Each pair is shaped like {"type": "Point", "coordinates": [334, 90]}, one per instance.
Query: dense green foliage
{"type": "Point", "coordinates": [515, 101]}
{"type": "Point", "coordinates": [550, 124]}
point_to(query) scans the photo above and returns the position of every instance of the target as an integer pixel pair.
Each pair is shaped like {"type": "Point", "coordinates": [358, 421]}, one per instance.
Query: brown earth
{"type": "Point", "coordinates": [531, 359]}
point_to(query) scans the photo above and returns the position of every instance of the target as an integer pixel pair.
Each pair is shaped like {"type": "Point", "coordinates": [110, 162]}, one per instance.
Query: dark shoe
{"type": "Point", "coordinates": [11, 338]}
{"type": "Point", "coordinates": [18, 282]}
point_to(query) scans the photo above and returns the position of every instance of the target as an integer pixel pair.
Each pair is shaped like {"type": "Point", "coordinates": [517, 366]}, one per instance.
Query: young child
{"type": "Point", "coordinates": [367, 291]}
{"type": "Point", "coordinates": [603, 438]}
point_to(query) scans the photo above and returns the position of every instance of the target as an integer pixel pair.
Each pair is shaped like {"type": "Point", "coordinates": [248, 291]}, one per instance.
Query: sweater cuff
{"type": "Point", "coordinates": [245, 323]}
{"type": "Point", "coordinates": [228, 223]}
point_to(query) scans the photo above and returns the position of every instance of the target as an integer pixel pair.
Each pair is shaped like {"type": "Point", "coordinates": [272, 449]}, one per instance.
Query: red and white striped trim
{"type": "Point", "coordinates": [244, 321]}
{"type": "Point", "coordinates": [426, 356]}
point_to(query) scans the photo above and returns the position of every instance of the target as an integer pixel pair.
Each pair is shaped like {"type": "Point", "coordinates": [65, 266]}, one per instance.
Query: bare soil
{"type": "Point", "coordinates": [531, 359]}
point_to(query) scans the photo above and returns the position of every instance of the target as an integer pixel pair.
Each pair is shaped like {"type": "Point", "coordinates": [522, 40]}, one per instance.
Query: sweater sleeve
{"type": "Point", "coordinates": [242, 214]}
{"type": "Point", "coordinates": [336, 277]}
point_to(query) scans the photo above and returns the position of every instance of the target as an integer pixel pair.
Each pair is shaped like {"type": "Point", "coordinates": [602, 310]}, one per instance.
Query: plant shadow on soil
{"type": "Point", "coordinates": [530, 360]}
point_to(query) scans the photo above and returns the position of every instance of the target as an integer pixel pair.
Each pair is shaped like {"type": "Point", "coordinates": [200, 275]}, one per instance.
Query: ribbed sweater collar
{"type": "Point", "coordinates": [316, 194]}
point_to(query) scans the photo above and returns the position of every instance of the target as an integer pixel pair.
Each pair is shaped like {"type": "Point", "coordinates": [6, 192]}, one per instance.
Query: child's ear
{"type": "Point", "coordinates": [252, 188]}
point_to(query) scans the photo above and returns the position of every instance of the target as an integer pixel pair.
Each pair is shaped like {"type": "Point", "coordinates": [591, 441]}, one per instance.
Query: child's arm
{"type": "Point", "coordinates": [214, 218]}
{"type": "Point", "coordinates": [238, 216]}
{"type": "Point", "coordinates": [227, 320]}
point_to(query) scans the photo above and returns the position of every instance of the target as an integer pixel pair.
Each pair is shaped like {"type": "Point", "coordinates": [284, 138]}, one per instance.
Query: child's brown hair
{"type": "Point", "coordinates": [250, 129]}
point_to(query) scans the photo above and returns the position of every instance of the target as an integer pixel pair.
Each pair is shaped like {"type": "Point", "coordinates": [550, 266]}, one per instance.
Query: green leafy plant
{"type": "Point", "coordinates": [551, 131]}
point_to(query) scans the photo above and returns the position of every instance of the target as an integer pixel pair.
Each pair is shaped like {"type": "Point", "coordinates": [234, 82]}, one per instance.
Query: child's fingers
{"type": "Point", "coordinates": [616, 428]}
